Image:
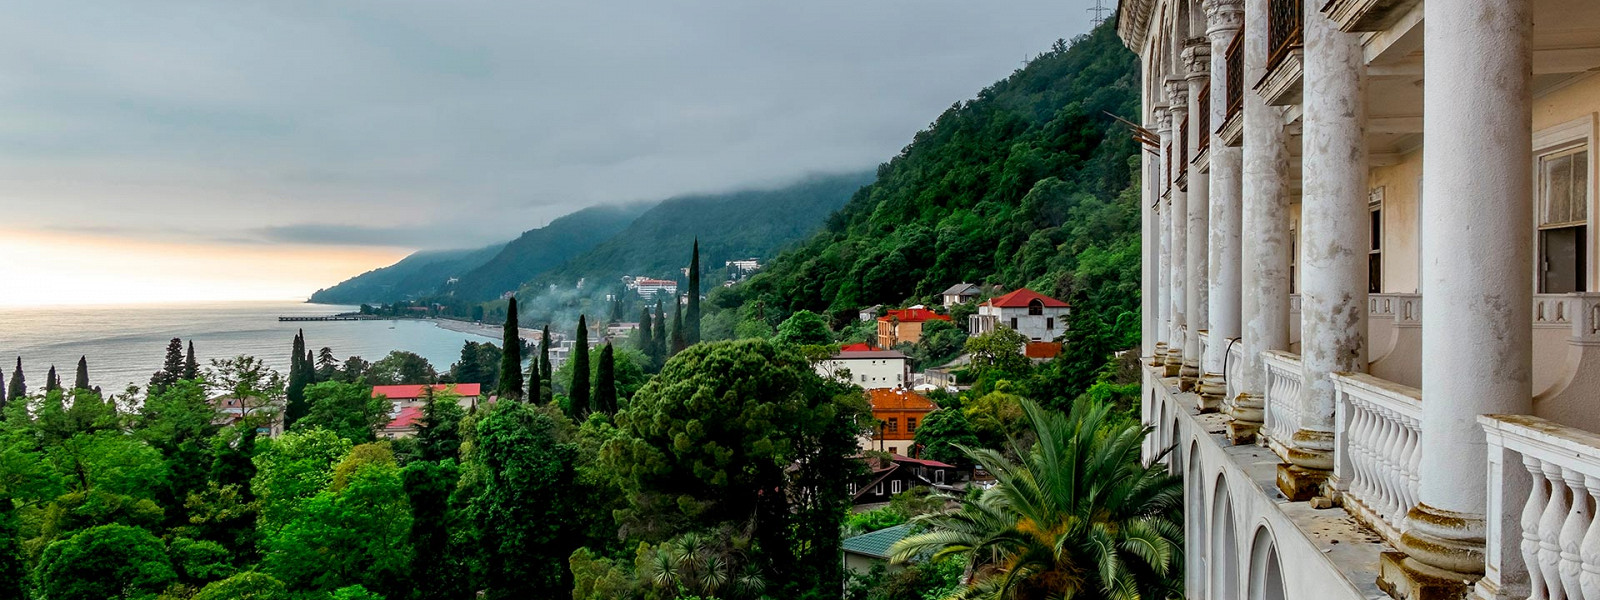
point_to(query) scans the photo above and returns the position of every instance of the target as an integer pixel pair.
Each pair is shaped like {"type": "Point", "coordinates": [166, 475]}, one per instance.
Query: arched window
{"type": "Point", "coordinates": [1195, 517]}
{"type": "Point", "coordinates": [1266, 575]}
{"type": "Point", "coordinates": [1223, 581]}
{"type": "Point", "coordinates": [1035, 307]}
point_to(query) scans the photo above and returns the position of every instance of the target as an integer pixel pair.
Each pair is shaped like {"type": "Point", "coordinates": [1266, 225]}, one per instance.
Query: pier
{"type": "Point", "coordinates": [330, 318]}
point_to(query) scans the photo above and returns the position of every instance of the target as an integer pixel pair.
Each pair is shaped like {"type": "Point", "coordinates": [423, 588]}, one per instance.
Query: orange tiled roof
{"type": "Point", "coordinates": [1042, 350]}
{"type": "Point", "coordinates": [399, 392]}
{"type": "Point", "coordinates": [899, 399]}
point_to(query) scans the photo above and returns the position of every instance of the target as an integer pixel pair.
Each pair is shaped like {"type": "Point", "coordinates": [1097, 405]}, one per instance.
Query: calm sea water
{"type": "Point", "coordinates": [126, 344]}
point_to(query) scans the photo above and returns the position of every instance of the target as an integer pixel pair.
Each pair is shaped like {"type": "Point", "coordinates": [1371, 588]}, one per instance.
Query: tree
{"type": "Point", "coordinates": [402, 368]}
{"type": "Point", "coordinates": [291, 468]}
{"type": "Point", "coordinates": [479, 363]}
{"type": "Point", "coordinates": [644, 335]}
{"type": "Point", "coordinates": [438, 437]}
{"type": "Point", "coordinates": [52, 383]}
{"type": "Point", "coordinates": [19, 383]}
{"type": "Point", "coordinates": [354, 531]}
{"type": "Point", "coordinates": [546, 390]}
{"type": "Point", "coordinates": [247, 379]}
{"type": "Point", "coordinates": [327, 365]}
{"type": "Point", "coordinates": [524, 503]}
{"type": "Point", "coordinates": [354, 368]}
{"type": "Point", "coordinates": [249, 585]}
{"type": "Point", "coordinates": [999, 350]}
{"type": "Point", "coordinates": [692, 337]}
{"type": "Point", "coordinates": [105, 562]}
{"type": "Point", "coordinates": [172, 368]}
{"type": "Point", "coordinates": [191, 367]}
{"type": "Point", "coordinates": [349, 410]}
{"type": "Point", "coordinates": [804, 328]}
{"type": "Point", "coordinates": [605, 384]}
{"type": "Point", "coordinates": [81, 380]}
{"type": "Point", "coordinates": [658, 337]}
{"type": "Point", "coordinates": [511, 354]}
{"type": "Point", "coordinates": [680, 340]}
{"type": "Point", "coordinates": [437, 569]}
{"type": "Point", "coordinates": [296, 406]}
{"type": "Point", "coordinates": [578, 392]}
{"type": "Point", "coordinates": [943, 433]}
{"type": "Point", "coordinates": [309, 365]}
{"type": "Point", "coordinates": [1078, 515]}
{"type": "Point", "coordinates": [535, 381]}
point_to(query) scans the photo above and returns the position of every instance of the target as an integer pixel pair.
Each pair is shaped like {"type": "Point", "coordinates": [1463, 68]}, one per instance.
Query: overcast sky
{"type": "Point", "coordinates": [357, 131]}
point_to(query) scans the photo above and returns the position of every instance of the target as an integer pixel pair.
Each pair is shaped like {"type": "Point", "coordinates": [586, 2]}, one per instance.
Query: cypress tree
{"type": "Point", "coordinates": [3, 396]}
{"type": "Point", "coordinates": [692, 336]}
{"type": "Point", "coordinates": [51, 382]}
{"type": "Point", "coordinates": [309, 366]}
{"type": "Point", "coordinates": [546, 391]}
{"type": "Point", "coordinates": [579, 394]}
{"type": "Point", "coordinates": [605, 384]}
{"type": "Point", "coordinates": [535, 381]}
{"type": "Point", "coordinates": [511, 356]}
{"type": "Point", "coordinates": [171, 368]}
{"type": "Point", "coordinates": [191, 367]}
{"type": "Point", "coordinates": [645, 344]}
{"type": "Point", "coordinates": [19, 383]}
{"type": "Point", "coordinates": [680, 340]}
{"type": "Point", "coordinates": [81, 382]}
{"type": "Point", "coordinates": [295, 393]}
{"type": "Point", "coordinates": [658, 338]}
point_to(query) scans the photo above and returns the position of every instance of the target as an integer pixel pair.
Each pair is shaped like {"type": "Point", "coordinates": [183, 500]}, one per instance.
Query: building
{"type": "Point", "coordinates": [1037, 316]}
{"type": "Point", "coordinates": [898, 411]}
{"type": "Point", "coordinates": [905, 326]}
{"type": "Point", "coordinates": [1315, 172]}
{"type": "Point", "coordinates": [869, 313]}
{"type": "Point", "coordinates": [403, 424]}
{"type": "Point", "coordinates": [868, 550]}
{"type": "Point", "coordinates": [232, 409]}
{"type": "Point", "coordinates": [649, 288]}
{"type": "Point", "coordinates": [746, 265]}
{"type": "Point", "coordinates": [900, 473]}
{"type": "Point", "coordinates": [960, 293]}
{"type": "Point", "coordinates": [405, 396]}
{"type": "Point", "coordinates": [867, 367]}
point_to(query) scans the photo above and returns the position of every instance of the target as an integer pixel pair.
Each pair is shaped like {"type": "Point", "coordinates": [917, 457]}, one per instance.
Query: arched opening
{"type": "Point", "coordinates": [1194, 519]}
{"type": "Point", "coordinates": [1266, 575]}
{"type": "Point", "coordinates": [1175, 441]}
{"type": "Point", "coordinates": [1035, 307]}
{"type": "Point", "coordinates": [1224, 559]}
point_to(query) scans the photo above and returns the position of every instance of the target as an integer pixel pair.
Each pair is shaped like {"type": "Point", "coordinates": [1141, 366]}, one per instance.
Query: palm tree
{"type": "Point", "coordinates": [703, 566]}
{"type": "Point", "coordinates": [1079, 516]}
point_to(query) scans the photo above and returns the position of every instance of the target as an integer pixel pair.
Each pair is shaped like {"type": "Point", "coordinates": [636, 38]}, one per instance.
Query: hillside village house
{"type": "Point", "coordinates": [869, 313]}
{"type": "Point", "coordinates": [1037, 316]}
{"type": "Point", "coordinates": [960, 293]}
{"type": "Point", "coordinates": [905, 326]}
{"type": "Point", "coordinates": [901, 473]}
{"type": "Point", "coordinates": [867, 367]}
{"type": "Point", "coordinates": [1369, 250]}
{"type": "Point", "coordinates": [404, 396]}
{"type": "Point", "coordinates": [898, 411]}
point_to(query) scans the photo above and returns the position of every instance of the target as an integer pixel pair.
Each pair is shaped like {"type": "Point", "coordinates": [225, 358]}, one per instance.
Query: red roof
{"type": "Point", "coordinates": [914, 315]}
{"type": "Point", "coordinates": [406, 392]}
{"type": "Point", "coordinates": [919, 461]}
{"type": "Point", "coordinates": [1042, 350]}
{"type": "Point", "coordinates": [1022, 298]}
{"type": "Point", "coordinates": [899, 399]}
{"type": "Point", "coordinates": [407, 419]}
{"type": "Point", "coordinates": [856, 347]}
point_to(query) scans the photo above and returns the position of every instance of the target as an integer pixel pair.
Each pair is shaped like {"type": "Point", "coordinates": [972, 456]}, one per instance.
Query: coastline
{"type": "Point", "coordinates": [492, 332]}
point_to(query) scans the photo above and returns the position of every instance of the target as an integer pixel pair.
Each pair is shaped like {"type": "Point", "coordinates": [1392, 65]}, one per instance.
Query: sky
{"type": "Point", "coordinates": [171, 150]}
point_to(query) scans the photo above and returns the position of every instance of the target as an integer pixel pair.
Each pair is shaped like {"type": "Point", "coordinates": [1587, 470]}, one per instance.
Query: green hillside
{"type": "Point", "coordinates": [415, 276]}
{"type": "Point", "coordinates": [540, 250]}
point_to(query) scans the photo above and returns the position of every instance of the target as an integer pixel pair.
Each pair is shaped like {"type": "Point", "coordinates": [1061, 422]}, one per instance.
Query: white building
{"type": "Point", "coordinates": [1294, 220]}
{"type": "Point", "coordinates": [1037, 316]}
{"type": "Point", "coordinates": [648, 288]}
{"type": "Point", "coordinates": [868, 368]}
{"type": "Point", "coordinates": [960, 293]}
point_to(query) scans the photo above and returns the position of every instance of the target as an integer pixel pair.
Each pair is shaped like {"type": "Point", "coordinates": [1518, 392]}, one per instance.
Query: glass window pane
{"type": "Point", "coordinates": [1580, 186]}
{"type": "Point", "coordinates": [1561, 260]}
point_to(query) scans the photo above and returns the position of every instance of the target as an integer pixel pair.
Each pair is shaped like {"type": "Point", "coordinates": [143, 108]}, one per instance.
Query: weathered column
{"type": "Point", "coordinates": [1265, 248]}
{"type": "Point", "coordinates": [1164, 237]}
{"type": "Point", "coordinates": [1477, 341]}
{"type": "Point", "coordinates": [1148, 248]}
{"type": "Point", "coordinates": [1333, 214]}
{"type": "Point", "coordinates": [1178, 202]}
{"type": "Point", "coordinates": [1197, 68]}
{"type": "Point", "coordinates": [1223, 19]}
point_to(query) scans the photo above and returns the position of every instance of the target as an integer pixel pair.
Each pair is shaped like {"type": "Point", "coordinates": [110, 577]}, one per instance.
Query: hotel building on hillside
{"type": "Point", "coordinates": [1371, 326]}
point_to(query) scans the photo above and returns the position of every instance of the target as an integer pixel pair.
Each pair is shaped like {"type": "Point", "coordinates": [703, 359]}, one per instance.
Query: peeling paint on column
{"type": "Point", "coordinates": [1224, 259]}
{"type": "Point", "coordinates": [1265, 247]}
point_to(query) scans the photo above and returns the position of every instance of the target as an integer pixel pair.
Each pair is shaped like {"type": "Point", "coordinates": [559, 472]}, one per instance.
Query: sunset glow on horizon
{"type": "Point", "coordinates": [79, 269]}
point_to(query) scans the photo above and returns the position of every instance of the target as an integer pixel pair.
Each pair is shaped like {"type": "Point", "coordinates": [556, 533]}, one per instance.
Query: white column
{"type": "Point", "coordinates": [1264, 302]}
{"type": "Point", "coordinates": [1223, 19]}
{"type": "Point", "coordinates": [1334, 219]}
{"type": "Point", "coordinates": [1148, 248]}
{"type": "Point", "coordinates": [1178, 94]}
{"type": "Point", "coordinates": [1163, 214]}
{"type": "Point", "coordinates": [1197, 68]}
{"type": "Point", "coordinates": [1477, 344]}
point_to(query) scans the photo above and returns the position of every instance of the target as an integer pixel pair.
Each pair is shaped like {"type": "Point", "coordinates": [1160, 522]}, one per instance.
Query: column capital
{"type": "Point", "coordinates": [1163, 120]}
{"type": "Point", "coordinates": [1224, 18]}
{"type": "Point", "coordinates": [1197, 61]}
{"type": "Point", "coordinates": [1178, 94]}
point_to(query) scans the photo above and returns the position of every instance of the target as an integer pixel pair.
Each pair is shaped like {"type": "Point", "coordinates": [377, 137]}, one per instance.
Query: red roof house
{"type": "Point", "coordinates": [414, 394]}
{"type": "Point", "coordinates": [905, 326]}
{"type": "Point", "coordinates": [1034, 315]}
{"type": "Point", "coordinates": [402, 425]}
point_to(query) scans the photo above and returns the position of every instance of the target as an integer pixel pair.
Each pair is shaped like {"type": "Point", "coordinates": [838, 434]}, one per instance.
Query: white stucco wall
{"type": "Point", "coordinates": [1039, 328]}
{"type": "Point", "coordinates": [869, 373]}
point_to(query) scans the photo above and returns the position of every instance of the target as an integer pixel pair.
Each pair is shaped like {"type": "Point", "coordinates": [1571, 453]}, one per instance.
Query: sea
{"type": "Point", "coordinates": [126, 344]}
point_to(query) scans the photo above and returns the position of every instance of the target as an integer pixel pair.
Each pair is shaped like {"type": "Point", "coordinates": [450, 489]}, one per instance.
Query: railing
{"type": "Point", "coordinates": [1285, 26]}
{"type": "Point", "coordinates": [1203, 121]}
{"type": "Point", "coordinates": [1183, 146]}
{"type": "Point", "coordinates": [1235, 57]}
{"type": "Point", "coordinates": [1547, 502]}
{"type": "Point", "coordinates": [1170, 174]}
{"type": "Point", "coordinates": [1554, 309]}
{"type": "Point", "coordinates": [1378, 436]}
{"type": "Point", "coordinates": [1282, 396]}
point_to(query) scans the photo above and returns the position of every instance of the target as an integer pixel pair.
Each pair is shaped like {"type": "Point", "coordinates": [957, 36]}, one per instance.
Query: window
{"type": "Point", "coordinates": [877, 490]}
{"type": "Point", "coordinates": [851, 488]}
{"type": "Point", "coordinates": [1035, 307]}
{"type": "Point", "coordinates": [911, 424]}
{"type": "Point", "coordinates": [1050, 323]}
{"type": "Point", "coordinates": [894, 486]}
{"type": "Point", "coordinates": [1375, 250]}
{"type": "Point", "coordinates": [938, 478]}
{"type": "Point", "coordinates": [1013, 322]}
{"type": "Point", "coordinates": [894, 449]}
{"type": "Point", "coordinates": [1563, 205]}
{"type": "Point", "coordinates": [894, 425]}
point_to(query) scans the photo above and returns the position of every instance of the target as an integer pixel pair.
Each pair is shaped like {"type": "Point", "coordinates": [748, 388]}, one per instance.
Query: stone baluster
{"type": "Point", "coordinates": [1555, 513]}
{"type": "Point", "coordinates": [1570, 538]}
{"type": "Point", "coordinates": [1532, 511]}
{"type": "Point", "coordinates": [1589, 550]}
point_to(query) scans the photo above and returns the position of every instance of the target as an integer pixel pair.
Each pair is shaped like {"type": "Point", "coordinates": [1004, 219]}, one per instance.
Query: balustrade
{"type": "Point", "coordinates": [1282, 398]}
{"type": "Point", "coordinates": [1233, 370]}
{"type": "Point", "coordinates": [1285, 29]}
{"type": "Point", "coordinates": [1544, 485]}
{"type": "Point", "coordinates": [1203, 122]}
{"type": "Point", "coordinates": [1378, 437]}
{"type": "Point", "coordinates": [1235, 57]}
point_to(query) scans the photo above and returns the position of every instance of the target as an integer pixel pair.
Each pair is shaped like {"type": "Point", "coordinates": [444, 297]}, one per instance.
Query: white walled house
{"type": "Point", "coordinates": [960, 293]}
{"type": "Point", "coordinates": [866, 367]}
{"type": "Point", "coordinates": [1037, 316]}
{"type": "Point", "coordinates": [1316, 172]}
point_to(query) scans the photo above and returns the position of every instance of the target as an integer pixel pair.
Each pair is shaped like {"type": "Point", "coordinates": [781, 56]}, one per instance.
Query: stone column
{"type": "Point", "coordinates": [1148, 248]}
{"type": "Point", "coordinates": [1333, 214]}
{"type": "Point", "coordinates": [1266, 248]}
{"type": "Point", "coordinates": [1164, 243]}
{"type": "Point", "coordinates": [1177, 221]}
{"type": "Point", "coordinates": [1223, 20]}
{"type": "Point", "coordinates": [1477, 337]}
{"type": "Point", "coordinates": [1197, 68]}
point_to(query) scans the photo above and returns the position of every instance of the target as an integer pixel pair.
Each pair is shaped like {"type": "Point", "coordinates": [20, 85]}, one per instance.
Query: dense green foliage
{"type": "Point", "coordinates": [415, 276]}
{"type": "Point", "coordinates": [538, 250]}
{"type": "Point", "coordinates": [511, 355]}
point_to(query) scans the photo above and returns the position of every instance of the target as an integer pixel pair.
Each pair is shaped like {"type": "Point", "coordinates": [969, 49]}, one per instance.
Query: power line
{"type": "Point", "coordinates": [1100, 11]}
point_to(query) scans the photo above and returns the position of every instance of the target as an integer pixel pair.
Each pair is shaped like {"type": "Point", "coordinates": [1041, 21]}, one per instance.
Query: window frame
{"type": "Point", "coordinates": [896, 487]}
{"type": "Point", "coordinates": [1375, 208]}
{"type": "Point", "coordinates": [1573, 135]}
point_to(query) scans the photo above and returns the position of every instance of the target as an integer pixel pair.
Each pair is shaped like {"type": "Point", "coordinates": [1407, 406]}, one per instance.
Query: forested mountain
{"type": "Point", "coordinates": [417, 275]}
{"type": "Point", "coordinates": [540, 250]}
{"type": "Point", "coordinates": [732, 225]}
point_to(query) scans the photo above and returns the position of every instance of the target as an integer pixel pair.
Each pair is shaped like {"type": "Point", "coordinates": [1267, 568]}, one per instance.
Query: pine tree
{"type": "Point", "coordinates": [605, 384]}
{"type": "Point", "coordinates": [81, 382]}
{"type": "Point", "coordinates": [191, 367]}
{"type": "Point", "coordinates": [579, 393]}
{"type": "Point", "coordinates": [171, 369]}
{"type": "Point", "coordinates": [658, 338]}
{"type": "Point", "coordinates": [679, 339]}
{"type": "Point", "coordinates": [511, 357]}
{"type": "Point", "coordinates": [645, 344]}
{"type": "Point", "coordinates": [546, 392]}
{"type": "Point", "coordinates": [51, 382]}
{"type": "Point", "coordinates": [19, 383]}
{"type": "Point", "coordinates": [692, 336]}
{"type": "Point", "coordinates": [295, 393]}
